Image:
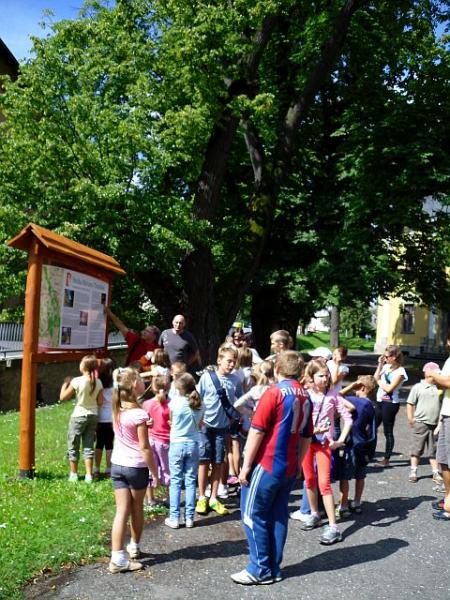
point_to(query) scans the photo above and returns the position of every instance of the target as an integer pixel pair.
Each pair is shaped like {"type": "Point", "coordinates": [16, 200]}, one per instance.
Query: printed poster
{"type": "Point", "coordinates": [72, 310]}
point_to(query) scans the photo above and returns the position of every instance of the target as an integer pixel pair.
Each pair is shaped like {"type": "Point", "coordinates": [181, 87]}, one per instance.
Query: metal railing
{"type": "Point", "coordinates": [11, 340]}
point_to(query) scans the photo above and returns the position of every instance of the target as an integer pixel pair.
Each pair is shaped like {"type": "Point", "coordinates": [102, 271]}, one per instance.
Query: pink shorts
{"type": "Point", "coordinates": [161, 454]}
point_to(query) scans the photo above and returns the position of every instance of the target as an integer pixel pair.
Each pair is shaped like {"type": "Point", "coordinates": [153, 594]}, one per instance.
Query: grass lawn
{"type": "Point", "coordinates": [313, 340]}
{"type": "Point", "coordinates": [47, 522]}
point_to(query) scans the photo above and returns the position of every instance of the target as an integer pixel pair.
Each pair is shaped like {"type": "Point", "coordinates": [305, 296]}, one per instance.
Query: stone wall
{"type": "Point", "coordinates": [50, 378]}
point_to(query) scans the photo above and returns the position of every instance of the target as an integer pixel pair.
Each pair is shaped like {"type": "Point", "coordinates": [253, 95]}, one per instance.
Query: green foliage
{"type": "Point", "coordinates": [314, 340]}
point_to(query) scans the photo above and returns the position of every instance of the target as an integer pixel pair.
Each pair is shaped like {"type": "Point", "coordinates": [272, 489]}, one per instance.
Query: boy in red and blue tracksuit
{"type": "Point", "coordinates": [278, 439]}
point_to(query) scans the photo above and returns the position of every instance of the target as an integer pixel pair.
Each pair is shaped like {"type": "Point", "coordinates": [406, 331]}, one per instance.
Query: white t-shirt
{"type": "Point", "coordinates": [105, 410]}
{"type": "Point", "coordinates": [342, 370]}
{"type": "Point", "coordinates": [445, 411]}
{"type": "Point", "coordinates": [388, 377]}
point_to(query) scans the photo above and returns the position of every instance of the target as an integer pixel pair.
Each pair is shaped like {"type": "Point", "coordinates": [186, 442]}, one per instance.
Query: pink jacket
{"type": "Point", "coordinates": [326, 411]}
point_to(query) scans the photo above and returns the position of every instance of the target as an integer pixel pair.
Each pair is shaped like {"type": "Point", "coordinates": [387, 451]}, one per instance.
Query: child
{"type": "Point", "coordinates": [279, 342]}
{"type": "Point", "coordinates": [157, 362]}
{"type": "Point", "coordinates": [338, 370]}
{"type": "Point", "coordinates": [157, 409]}
{"type": "Point", "coordinates": [278, 439]}
{"type": "Point", "coordinates": [218, 390]}
{"type": "Point", "coordinates": [319, 453]}
{"type": "Point", "coordinates": [186, 414]}
{"type": "Point", "coordinates": [422, 409]}
{"type": "Point", "coordinates": [132, 458]}
{"type": "Point", "coordinates": [361, 444]}
{"type": "Point", "coordinates": [263, 374]}
{"type": "Point", "coordinates": [177, 369]}
{"type": "Point", "coordinates": [83, 421]}
{"type": "Point", "coordinates": [105, 433]}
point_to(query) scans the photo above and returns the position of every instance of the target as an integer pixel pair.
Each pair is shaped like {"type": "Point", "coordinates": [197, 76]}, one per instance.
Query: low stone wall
{"type": "Point", "coordinates": [50, 378]}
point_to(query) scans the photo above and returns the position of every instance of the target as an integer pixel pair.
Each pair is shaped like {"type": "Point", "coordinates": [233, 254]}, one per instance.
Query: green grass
{"type": "Point", "coordinates": [313, 340]}
{"type": "Point", "coordinates": [47, 522]}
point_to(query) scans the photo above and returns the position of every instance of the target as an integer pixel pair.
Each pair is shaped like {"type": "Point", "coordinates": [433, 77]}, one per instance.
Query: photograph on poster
{"type": "Point", "coordinates": [66, 334]}
{"type": "Point", "coordinates": [69, 296]}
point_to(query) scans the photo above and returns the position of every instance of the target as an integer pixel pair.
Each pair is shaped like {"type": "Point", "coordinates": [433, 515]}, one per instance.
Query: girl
{"type": "Point", "coordinates": [83, 421]}
{"type": "Point", "coordinates": [263, 375]}
{"type": "Point", "coordinates": [105, 433]}
{"type": "Point", "coordinates": [390, 376]}
{"type": "Point", "coordinates": [161, 363]}
{"type": "Point", "coordinates": [186, 414]}
{"type": "Point", "coordinates": [157, 409]}
{"type": "Point", "coordinates": [131, 460]}
{"type": "Point", "coordinates": [324, 405]}
{"type": "Point", "coordinates": [177, 369]}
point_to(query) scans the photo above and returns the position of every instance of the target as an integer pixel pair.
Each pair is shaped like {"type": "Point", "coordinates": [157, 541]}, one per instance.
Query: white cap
{"type": "Point", "coordinates": [321, 352]}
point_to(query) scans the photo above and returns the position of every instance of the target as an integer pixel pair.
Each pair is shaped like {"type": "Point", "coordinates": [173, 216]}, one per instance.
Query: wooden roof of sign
{"type": "Point", "coordinates": [62, 245]}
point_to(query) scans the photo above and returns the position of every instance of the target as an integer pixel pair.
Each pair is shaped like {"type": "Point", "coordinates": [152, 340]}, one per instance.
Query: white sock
{"type": "Point", "coordinates": [133, 546]}
{"type": "Point", "coordinates": [414, 469]}
{"type": "Point", "coordinates": [118, 557]}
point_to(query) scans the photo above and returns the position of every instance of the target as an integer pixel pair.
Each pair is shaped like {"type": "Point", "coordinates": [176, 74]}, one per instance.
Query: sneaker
{"type": "Point", "coordinates": [413, 477]}
{"type": "Point", "coordinates": [73, 477]}
{"type": "Point", "coordinates": [232, 480]}
{"type": "Point", "coordinates": [330, 536]}
{"type": "Point", "coordinates": [278, 578]}
{"type": "Point", "coordinates": [438, 505]}
{"type": "Point", "coordinates": [88, 479]}
{"type": "Point", "coordinates": [441, 515]}
{"type": "Point", "coordinates": [311, 522]}
{"type": "Point", "coordinates": [131, 565]}
{"type": "Point", "coordinates": [297, 515]}
{"type": "Point", "coordinates": [218, 507]}
{"type": "Point", "coordinates": [202, 506]}
{"type": "Point", "coordinates": [222, 491]}
{"type": "Point", "coordinates": [133, 552]}
{"type": "Point", "coordinates": [342, 512]}
{"type": "Point", "coordinates": [107, 474]}
{"type": "Point", "coordinates": [245, 578]}
{"type": "Point", "coordinates": [189, 523]}
{"type": "Point", "coordinates": [437, 478]}
{"type": "Point", "coordinates": [172, 523]}
{"type": "Point", "coordinates": [356, 508]}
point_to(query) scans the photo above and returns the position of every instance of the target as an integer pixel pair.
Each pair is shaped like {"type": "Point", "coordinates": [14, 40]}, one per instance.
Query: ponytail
{"type": "Point", "coordinates": [185, 384]}
{"type": "Point", "coordinates": [88, 365]}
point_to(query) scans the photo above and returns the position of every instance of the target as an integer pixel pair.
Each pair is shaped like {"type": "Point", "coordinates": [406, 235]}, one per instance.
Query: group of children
{"type": "Point", "coordinates": [194, 434]}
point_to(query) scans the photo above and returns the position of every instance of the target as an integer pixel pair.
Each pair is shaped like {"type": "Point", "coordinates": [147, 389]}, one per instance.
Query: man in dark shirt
{"type": "Point", "coordinates": [180, 344]}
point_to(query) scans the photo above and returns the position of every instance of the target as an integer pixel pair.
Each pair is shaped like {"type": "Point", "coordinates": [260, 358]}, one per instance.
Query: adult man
{"type": "Point", "coordinates": [442, 379]}
{"type": "Point", "coordinates": [180, 344]}
{"type": "Point", "coordinates": [277, 442]}
{"type": "Point", "coordinates": [138, 344]}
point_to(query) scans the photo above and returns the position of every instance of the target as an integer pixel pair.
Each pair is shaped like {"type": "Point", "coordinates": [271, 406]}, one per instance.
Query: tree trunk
{"type": "Point", "coordinates": [334, 327]}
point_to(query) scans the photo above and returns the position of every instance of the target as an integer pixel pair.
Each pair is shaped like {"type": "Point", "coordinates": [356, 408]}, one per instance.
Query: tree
{"type": "Point", "coordinates": [175, 134]}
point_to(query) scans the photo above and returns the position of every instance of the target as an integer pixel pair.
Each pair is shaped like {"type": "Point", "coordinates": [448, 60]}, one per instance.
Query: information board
{"type": "Point", "coordinates": [71, 312]}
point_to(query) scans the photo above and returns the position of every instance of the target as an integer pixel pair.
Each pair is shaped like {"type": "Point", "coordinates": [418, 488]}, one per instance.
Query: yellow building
{"type": "Point", "coordinates": [415, 328]}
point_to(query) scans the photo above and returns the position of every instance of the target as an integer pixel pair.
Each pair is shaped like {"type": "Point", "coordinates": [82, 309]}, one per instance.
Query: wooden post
{"type": "Point", "coordinates": [29, 367]}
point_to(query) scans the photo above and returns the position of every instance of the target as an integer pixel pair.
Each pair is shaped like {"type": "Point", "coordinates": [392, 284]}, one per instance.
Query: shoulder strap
{"type": "Point", "coordinates": [229, 409]}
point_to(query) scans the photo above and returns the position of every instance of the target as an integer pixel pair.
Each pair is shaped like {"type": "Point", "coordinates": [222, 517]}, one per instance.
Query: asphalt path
{"type": "Point", "coordinates": [393, 550]}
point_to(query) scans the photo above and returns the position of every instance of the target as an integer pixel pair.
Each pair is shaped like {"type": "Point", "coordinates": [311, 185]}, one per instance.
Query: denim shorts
{"type": "Point", "coordinates": [133, 478]}
{"type": "Point", "coordinates": [212, 445]}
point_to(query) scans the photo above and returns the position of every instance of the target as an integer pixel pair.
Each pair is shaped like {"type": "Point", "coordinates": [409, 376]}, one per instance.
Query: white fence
{"type": "Point", "coordinates": [11, 339]}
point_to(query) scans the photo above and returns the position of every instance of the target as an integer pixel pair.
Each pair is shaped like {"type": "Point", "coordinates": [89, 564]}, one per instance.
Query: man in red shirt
{"type": "Point", "coordinates": [138, 344]}
{"type": "Point", "coordinates": [277, 442]}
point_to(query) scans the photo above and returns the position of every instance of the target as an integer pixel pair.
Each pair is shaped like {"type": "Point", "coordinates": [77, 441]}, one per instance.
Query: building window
{"type": "Point", "coordinates": [409, 318]}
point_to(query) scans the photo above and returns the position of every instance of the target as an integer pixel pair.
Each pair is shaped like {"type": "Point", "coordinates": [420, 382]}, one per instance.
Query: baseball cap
{"type": "Point", "coordinates": [431, 366]}
{"type": "Point", "coordinates": [320, 352]}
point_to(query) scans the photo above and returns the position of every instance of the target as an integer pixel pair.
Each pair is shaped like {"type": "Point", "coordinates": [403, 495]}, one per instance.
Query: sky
{"type": "Point", "coordinates": [20, 18]}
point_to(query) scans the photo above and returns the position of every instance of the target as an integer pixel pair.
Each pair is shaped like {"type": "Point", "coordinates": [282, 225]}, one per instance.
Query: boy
{"type": "Point", "coordinates": [422, 410]}
{"type": "Point", "coordinates": [277, 442]}
{"type": "Point", "coordinates": [361, 444]}
{"type": "Point", "coordinates": [217, 423]}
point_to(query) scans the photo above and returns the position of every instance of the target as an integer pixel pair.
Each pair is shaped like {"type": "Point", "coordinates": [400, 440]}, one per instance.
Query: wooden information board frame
{"type": "Point", "coordinates": [45, 247]}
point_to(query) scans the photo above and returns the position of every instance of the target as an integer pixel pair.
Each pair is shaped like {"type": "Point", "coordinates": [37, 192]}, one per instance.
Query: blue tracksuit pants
{"type": "Point", "coordinates": [265, 516]}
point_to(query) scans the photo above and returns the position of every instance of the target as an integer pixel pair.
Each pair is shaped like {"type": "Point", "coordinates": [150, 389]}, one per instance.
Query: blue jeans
{"type": "Point", "coordinates": [265, 516]}
{"type": "Point", "coordinates": [183, 464]}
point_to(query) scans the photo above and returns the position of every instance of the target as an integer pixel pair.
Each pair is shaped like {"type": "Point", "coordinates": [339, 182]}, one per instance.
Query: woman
{"type": "Point", "coordinates": [390, 376]}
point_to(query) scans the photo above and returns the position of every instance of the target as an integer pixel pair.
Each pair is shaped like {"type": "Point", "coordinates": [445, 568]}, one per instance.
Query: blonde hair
{"type": "Point", "coordinates": [369, 383]}
{"type": "Point", "coordinates": [185, 384]}
{"type": "Point", "coordinates": [88, 365]}
{"type": "Point", "coordinates": [227, 349]}
{"type": "Point", "coordinates": [160, 383]}
{"type": "Point", "coordinates": [177, 368]}
{"type": "Point", "coordinates": [314, 366]}
{"type": "Point", "coordinates": [263, 372]}
{"type": "Point", "coordinates": [124, 389]}
{"type": "Point", "coordinates": [289, 364]}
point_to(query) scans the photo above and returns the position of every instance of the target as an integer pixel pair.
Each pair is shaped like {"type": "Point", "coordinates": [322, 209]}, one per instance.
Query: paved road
{"type": "Point", "coordinates": [393, 550]}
